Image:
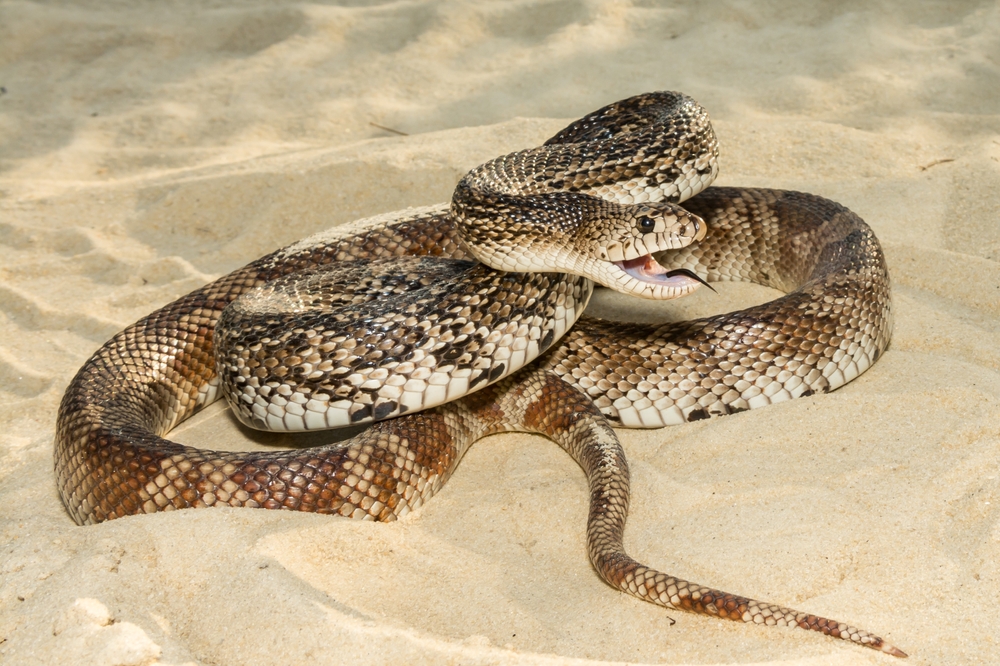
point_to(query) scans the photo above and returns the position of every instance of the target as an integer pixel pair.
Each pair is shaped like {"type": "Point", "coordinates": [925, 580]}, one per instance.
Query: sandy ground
{"type": "Point", "coordinates": [148, 147]}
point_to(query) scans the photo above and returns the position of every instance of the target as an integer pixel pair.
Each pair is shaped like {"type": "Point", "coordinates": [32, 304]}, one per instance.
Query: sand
{"type": "Point", "coordinates": [148, 147]}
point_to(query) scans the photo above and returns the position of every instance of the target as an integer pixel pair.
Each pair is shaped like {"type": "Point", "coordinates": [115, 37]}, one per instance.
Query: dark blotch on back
{"type": "Point", "coordinates": [697, 414]}
{"type": "Point", "coordinates": [384, 409]}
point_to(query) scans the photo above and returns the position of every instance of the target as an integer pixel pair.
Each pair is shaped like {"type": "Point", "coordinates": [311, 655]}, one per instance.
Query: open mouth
{"type": "Point", "coordinates": [647, 269]}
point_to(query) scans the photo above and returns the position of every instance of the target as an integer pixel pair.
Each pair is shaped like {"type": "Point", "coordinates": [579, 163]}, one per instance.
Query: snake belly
{"type": "Point", "coordinates": [305, 343]}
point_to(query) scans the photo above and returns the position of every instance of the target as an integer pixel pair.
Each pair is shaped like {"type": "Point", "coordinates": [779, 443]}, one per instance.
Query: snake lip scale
{"type": "Point", "coordinates": [422, 323]}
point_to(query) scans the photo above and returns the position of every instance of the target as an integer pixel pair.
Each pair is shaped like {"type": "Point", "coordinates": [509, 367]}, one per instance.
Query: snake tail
{"type": "Point", "coordinates": [542, 403]}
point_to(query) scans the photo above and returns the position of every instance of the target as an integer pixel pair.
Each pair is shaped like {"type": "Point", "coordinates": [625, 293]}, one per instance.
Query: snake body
{"type": "Point", "coordinates": [409, 311]}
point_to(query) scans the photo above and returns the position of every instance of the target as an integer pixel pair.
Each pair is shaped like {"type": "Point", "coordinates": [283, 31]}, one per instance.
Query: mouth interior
{"type": "Point", "coordinates": [647, 269]}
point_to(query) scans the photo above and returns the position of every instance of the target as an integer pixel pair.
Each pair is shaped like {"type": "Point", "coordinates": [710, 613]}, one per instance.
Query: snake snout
{"type": "Point", "coordinates": [691, 229]}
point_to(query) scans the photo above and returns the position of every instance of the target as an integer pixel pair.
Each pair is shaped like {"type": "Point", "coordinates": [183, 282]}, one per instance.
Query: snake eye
{"type": "Point", "coordinates": [647, 224]}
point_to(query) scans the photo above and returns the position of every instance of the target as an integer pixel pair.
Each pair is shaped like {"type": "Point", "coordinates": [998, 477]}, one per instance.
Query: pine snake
{"type": "Point", "coordinates": [306, 338]}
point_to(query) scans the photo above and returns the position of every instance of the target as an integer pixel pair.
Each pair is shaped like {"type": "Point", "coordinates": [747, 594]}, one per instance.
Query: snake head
{"type": "Point", "coordinates": [620, 244]}
{"type": "Point", "coordinates": [571, 232]}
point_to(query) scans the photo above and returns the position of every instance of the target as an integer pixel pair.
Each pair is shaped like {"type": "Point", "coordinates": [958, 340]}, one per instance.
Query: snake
{"type": "Point", "coordinates": [444, 324]}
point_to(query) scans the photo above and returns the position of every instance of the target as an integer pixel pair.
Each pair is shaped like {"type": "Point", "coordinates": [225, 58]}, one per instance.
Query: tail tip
{"type": "Point", "coordinates": [893, 650]}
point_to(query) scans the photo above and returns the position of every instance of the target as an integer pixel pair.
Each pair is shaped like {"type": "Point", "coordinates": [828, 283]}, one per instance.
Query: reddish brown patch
{"type": "Point", "coordinates": [557, 408]}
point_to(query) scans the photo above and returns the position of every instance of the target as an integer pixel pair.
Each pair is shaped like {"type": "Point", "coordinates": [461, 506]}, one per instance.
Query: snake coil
{"type": "Point", "coordinates": [396, 314]}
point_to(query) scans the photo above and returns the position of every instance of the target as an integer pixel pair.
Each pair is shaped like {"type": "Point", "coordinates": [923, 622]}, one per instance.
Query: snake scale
{"type": "Point", "coordinates": [400, 313]}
